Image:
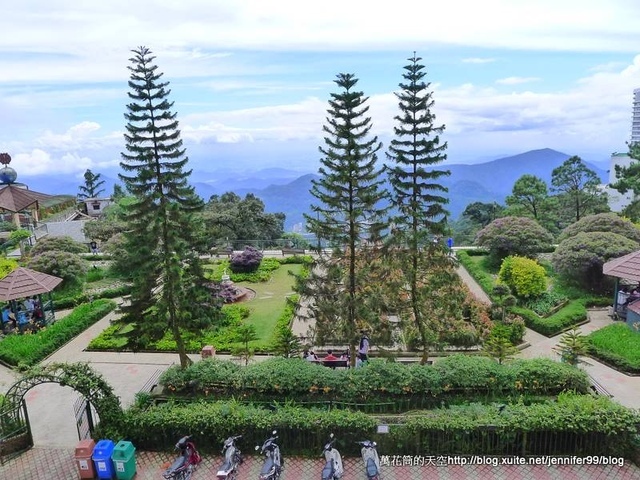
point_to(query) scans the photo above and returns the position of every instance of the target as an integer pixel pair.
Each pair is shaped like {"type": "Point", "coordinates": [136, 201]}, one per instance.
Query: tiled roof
{"type": "Point", "coordinates": [24, 282]}
{"type": "Point", "coordinates": [16, 199]}
{"type": "Point", "coordinates": [627, 267]}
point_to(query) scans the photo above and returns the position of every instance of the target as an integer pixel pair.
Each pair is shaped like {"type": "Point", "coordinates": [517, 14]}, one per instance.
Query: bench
{"type": "Point", "coordinates": [597, 389]}
{"type": "Point", "coordinates": [293, 251]}
{"type": "Point", "coordinates": [332, 363]}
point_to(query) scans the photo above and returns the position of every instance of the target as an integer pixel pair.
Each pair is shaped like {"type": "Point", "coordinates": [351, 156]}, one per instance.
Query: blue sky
{"type": "Point", "coordinates": [251, 78]}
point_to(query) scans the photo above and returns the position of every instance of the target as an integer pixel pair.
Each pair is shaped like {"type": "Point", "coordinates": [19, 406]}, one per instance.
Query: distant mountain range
{"type": "Point", "coordinates": [287, 191]}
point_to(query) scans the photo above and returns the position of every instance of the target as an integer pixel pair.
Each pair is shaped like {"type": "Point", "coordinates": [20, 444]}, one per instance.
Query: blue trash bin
{"type": "Point", "coordinates": [102, 459]}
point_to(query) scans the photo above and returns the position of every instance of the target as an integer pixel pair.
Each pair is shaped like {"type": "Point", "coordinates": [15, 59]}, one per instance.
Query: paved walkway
{"type": "Point", "coordinates": [50, 411]}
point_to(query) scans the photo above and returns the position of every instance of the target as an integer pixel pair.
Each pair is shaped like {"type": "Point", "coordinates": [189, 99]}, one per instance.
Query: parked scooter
{"type": "Point", "coordinates": [333, 469]}
{"type": "Point", "coordinates": [232, 459]}
{"type": "Point", "coordinates": [370, 459]}
{"type": "Point", "coordinates": [182, 468]}
{"type": "Point", "coordinates": [273, 464]}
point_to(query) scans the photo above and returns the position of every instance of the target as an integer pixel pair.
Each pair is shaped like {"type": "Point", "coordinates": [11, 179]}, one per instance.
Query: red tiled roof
{"type": "Point", "coordinates": [24, 282]}
{"type": "Point", "coordinates": [627, 267]}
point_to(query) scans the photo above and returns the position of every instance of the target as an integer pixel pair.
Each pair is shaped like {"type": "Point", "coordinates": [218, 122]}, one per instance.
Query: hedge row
{"type": "Point", "coordinates": [30, 348]}
{"type": "Point", "coordinates": [304, 431]}
{"type": "Point", "coordinates": [483, 279]}
{"type": "Point", "coordinates": [300, 380]}
{"type": "Point", "coordinates": [571, 314]}
{"type": "Point", "coordinates": [70, 302]}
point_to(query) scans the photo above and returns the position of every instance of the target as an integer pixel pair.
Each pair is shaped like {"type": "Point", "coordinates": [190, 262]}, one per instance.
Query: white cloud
{"type": "Point", "coordinates": [516, 80]}
{"type": "Point", "coordinates": [478, 60]}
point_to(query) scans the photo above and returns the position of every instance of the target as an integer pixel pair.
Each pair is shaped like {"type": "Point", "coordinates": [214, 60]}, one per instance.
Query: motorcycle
{"type": "Point", "coordinates": [273, 464]}
{"type": "Point", "coordinates": [182, 468]}
{"type": "Point", "coordinates": [232, 459]}
{"type": "Point", "coordinates": [370, 459]}
{"type": "Point", "coordinates": [333, 468]}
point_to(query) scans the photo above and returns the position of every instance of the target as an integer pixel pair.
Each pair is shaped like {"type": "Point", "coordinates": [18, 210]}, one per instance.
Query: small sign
{"type": "Point", "coordinates": [119, 466]}
{"type": "Point", "coordinates": [383, 428]}
{"type": "Point", "coordinates": [102, 466]}
{"type": "Point", "coordinates": [83, 464]}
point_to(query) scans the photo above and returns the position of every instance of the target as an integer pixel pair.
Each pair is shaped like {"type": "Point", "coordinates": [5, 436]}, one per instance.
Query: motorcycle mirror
{"type": "Point", "coordinates": [257, 448]}
{"type": "Point", "coordinates": [274, 433]}
{"type": "Point", "coordinates": [331, 436]}
{"type": "Point", "coordinates": [375, 444]}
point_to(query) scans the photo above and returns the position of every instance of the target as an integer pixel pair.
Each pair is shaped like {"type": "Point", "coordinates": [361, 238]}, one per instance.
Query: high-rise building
{"type": "Point", "coordinates": [635, 123]}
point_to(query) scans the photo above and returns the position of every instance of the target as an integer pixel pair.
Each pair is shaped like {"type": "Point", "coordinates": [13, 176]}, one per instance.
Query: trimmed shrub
{"type": "Point", "coordinates": [29, 349]}
{"type": "Point", "coordinates": [68, 266]}
{"type": "Point", "coordinates": [602, 222]}
{"type": "Point", "coordinates": [571, 314]}
{"type": "Point", "coordinates": [297, 379]}
{"type": "Point", "coordinates": [246, 261]}
{"type": "Point", "coordinates": [524, 276]}
{"type": "Point", "coordinates": [59, 244]}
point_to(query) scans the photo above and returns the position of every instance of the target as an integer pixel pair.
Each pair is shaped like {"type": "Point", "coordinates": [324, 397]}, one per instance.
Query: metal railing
{"type": "Point", "coordinates": [15, 432]}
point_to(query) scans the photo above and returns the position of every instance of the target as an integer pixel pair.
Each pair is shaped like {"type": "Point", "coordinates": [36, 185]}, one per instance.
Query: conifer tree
{"type": "Point", "coordinates": [92, 184]}
{"type": "Point", "coordinates": [346, 215]}
{"type": "Point", "coordinates": [168, 282]}
{"type": "Point", "coordinates": [418, 198]}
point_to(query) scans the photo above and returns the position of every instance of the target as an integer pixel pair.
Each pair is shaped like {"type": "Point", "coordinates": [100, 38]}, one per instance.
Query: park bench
{"type": "Point", "coordinates": [292, 251]}
{"type": "Point", "coordinates": [333, 363]}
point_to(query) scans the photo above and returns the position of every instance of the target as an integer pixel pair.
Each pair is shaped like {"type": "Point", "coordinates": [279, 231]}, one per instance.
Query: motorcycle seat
{"type": "Point", "coordinates": [267, 466]}
{"type": "Point", "coordinates": [372, 469]}
{"type": "Point", "coordinates": [177, 464]}
{"type": "Point", "coordinates": [328, 470]}
{"type": "Point", "coordinates": [226, 467]}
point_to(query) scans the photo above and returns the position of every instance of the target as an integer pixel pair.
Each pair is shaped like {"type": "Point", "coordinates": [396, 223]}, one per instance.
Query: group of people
{"type": "Point", "coordinates": [23, 316]}
{"type": "Point", "coordinates": [361, 358]}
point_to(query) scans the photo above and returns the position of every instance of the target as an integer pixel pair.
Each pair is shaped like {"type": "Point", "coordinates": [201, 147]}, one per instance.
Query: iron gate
{"type": "Point", "coordinates": [85, 416]}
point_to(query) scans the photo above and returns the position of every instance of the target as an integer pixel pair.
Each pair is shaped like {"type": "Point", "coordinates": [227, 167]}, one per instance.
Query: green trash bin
{"type": "Point", "coordinates": [124, 460]}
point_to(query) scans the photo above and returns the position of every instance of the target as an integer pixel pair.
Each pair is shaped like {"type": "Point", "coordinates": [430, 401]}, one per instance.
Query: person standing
{"type": "Point", "coordinates": [363, 348]}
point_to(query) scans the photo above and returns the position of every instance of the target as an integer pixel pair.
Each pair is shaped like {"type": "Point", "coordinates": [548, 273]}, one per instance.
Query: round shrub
{"type": "Point", "coordinates": [524, 276]}
{"type": "Point", "coordinates": [61, 244]}
{"type": "Point", "coordinates": [513, 236]}
{"type": "Point", "coordinates": [68, 266]}
{"type": "Point", "coordinates": [602, 222]}
{"type": "Point", "coordinates": [246, 261]}
{"type": "Point", "coordinates": [581, 257]}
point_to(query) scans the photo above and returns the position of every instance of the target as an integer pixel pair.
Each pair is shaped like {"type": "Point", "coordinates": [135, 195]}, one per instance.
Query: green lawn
{"type": "Point", "coordinates": [270, 300]}
{"type": "Point", "coordinates": [617, 345]}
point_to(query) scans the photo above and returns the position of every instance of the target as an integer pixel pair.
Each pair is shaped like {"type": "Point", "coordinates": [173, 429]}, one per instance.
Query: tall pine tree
{"type": "Point", "coordinates": [346, 216]}
{"type": "Point", "coordinates": [92, 184]}
{"type": "Point", "coordinates": [168, 291]}
{"type": "Point", "coordinates": [419, 201]}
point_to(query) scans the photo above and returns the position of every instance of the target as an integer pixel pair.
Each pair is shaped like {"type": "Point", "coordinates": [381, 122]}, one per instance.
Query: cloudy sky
{"type": "Point", "coordinates": [251, 78]}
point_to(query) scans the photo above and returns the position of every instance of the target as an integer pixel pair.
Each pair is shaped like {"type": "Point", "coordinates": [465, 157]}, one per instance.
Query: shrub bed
{"type": "Point", "coordinates": [455, 430]}
{"type": "Point", "coordinates": [618, 346]}
{"type": "Point", "coordinates": [29, 349]}
{"type": "Point", "coordinates": [457, 375]}
{"type": "Point", "coordinates": [262, 274]}
{"type": "Point", "coordinates": [571, 314]}
{"type": "Point", "coordinates": [113, 292]}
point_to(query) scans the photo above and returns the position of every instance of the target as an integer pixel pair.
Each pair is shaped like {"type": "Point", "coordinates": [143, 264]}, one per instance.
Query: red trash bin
{"type": "Point", "coordinates": [84, 450]}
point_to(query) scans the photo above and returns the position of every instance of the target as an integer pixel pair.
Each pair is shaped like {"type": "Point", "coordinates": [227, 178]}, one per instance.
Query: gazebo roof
{"type": "Point", "coordinates": [15, 199]}
{"type": "Point", "coordinates": [627, 267]}
{"type": "Point", "coordinates": [24, 282]}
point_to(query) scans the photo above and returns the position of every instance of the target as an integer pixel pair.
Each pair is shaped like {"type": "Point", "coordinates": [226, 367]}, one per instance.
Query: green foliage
{"type": "Point", "coordinates": [29, 349]}
{"type": "Point", "coordinates": [526, 277]}
{"type": "Point", "coordinates": [230, 219]}
{"type": "Point", "coordinates": [617, 345]}
{"type": "Point", "coordinates": [162, 238]}
{"type": "Point", "coordinates": [579, 259]}
{"type": "Point", "coordinates": [602, 222]}
{"type": "Point", "coordinates": [499, 345]}
{"type": "Point", "coordinates": [158, 427]}
{"type": "Point", "coordinates": [513, 236]}
{"type": "Point", "coordinates": [285, 343]}
{"type": "Point", "coordinates": [571, 314]}
{"type": "Point", "coordinates": [91, 187]}
{"type": "Point", "coordinates": [59, 244]}
{"type": "Point", "coordinates": [68, 266]}
{"type": "Point", "coordinates": [572, 346]}
{"type": "Point", "coordinates": [262, 274]}
{"type": "Point", "coordinates": [19, 235]}
{"type": "Point", "coordinates": [301, 380]}
{"type": "Point", "coordinates": [479, 274]}
{"type": "Point", "coordinates": [7, 265]}
{"type": "Point", "coordinates": [79, 297]}
{"type": "Point", "coordinates": [530, 193]}
{"type": "Point", "coordinates": [545, 303]}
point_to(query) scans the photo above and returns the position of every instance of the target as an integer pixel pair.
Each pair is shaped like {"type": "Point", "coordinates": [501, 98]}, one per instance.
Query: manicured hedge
{"type": "Point", "coordinates": [483, 279]}
{"type": "Point", "coordinates": [447, 430]}
{"type": "Point", "coordinates": [571, 314]}
{"type": "Point", "coordinates": [617, 345]}
{"type": "Point", "coordinates": [296, 379]}
{"type": "Point", "coordinates": [29, 349]}
{"type": "Point", "coordinates": [70, 302]}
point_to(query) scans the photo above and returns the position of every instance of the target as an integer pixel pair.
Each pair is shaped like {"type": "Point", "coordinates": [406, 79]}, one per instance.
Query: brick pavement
{"type": "Point", "coordinates": [58, 463]}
